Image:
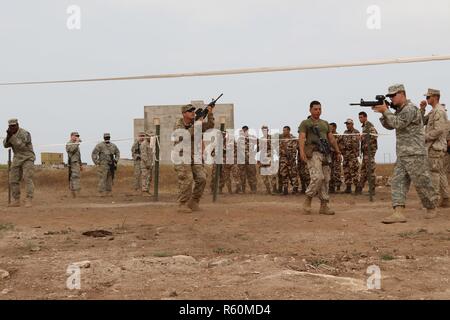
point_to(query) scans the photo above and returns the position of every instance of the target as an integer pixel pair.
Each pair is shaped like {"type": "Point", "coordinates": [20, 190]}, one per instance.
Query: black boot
{"type": "Point", "coordinates": [295, 190]}
{"type": "Point", "coordinates": [358, 190]}
{"type": "Point", "coordinates": [338, 189]}
{"type": "Point", "coordinates": [348, 189]}
{"type": "Point", "coordinates": [285, 191]}
{"type": "Point", "coordinates": [331, 189]}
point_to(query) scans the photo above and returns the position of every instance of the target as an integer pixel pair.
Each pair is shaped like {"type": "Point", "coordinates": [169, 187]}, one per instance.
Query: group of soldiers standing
{"type": "Point", "coordinates": [292, 171]}
{"type": "Point", "coordinates": [313, 160]}
{"type": "Point", "coordinates": [354, 145]}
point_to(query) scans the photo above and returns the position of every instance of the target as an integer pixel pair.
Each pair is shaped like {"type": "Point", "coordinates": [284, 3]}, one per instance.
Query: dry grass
{"type": "Point", "coordinates": [50, 177]}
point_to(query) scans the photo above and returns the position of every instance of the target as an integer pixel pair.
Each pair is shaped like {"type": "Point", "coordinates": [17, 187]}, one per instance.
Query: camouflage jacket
{"type": "Point", "coordinates": [368, 130]}
{"type": "Point", "coordinates": [265, 149]}
{"type": "Point", "coordinates": [349, 143]}
{"type": "Point", "coordinates": [73, 152]}
{"type": "Point", "coordinates": [246, 148]}
{"type": "Point", "coordinates": [20, 142]}
{"type": "Point", "coordinates": [136, 150]}
{"type": "Point", "coordinates": [288, 148]}
{"type": "Point", "coordinates": [436, 129]}
{"type": "Point", "coordinates": [101, 155]}
{"type": "Point", "coordinates": [209, 124]}
{"type": "Point", "coordinates": [409, 131]}
{"type": "Point", "coordinates": [147, 154]}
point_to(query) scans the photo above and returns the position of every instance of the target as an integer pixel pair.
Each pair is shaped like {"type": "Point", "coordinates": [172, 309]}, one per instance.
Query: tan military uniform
{"type": "Point", "coordinates": [189, 174]}
{"type": "Point", "coordinates": [318, 163]}
{"type": "Point", "coordinates": [136, 155]}
{"type": "Point", "coordinates": [23, 163]}
{"type": "Point", "coordinates": [269, 180]}
{"type": "Point", "coordinates": [247, 170]}
{"type": "Point", "coordinates": [436, 132]}
{"type": "Point", "coordinates": [146, 165]}
{"type": "Point", "coordinates": [74, 161]}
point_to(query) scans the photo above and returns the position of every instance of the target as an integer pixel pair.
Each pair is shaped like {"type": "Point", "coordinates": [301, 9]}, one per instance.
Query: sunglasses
{"type": "Point", "coordinates": [428, 97]}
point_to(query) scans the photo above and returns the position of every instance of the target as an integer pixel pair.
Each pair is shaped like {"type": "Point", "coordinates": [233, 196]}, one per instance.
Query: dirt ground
{"type": "Point", "coordinates": [241, 247]}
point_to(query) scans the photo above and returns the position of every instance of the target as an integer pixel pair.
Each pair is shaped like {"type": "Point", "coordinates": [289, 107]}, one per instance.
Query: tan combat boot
{"type": "Point", "coordinates": [193, 205]}
{"type": "Point", "coordinates": [445, 203]}
{"type": "Point", "coordinates": [307, 205]}
{"type": "Point", "coordinates": [15, 203]}
{"type": "Point", "coordinates": [28, 203]}
{"type": "Point", "coordinates": [396, 217]}
{"type": "Point", "coordinates": [183, 208]}
{"type": "Point", "coordinates": [325, 209]}
{"type": "Point", "coordinates": [430, 214]}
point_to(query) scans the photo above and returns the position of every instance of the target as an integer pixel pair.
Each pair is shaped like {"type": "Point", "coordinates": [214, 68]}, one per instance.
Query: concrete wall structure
{"type": "Point", "coordinates": [169, 114]}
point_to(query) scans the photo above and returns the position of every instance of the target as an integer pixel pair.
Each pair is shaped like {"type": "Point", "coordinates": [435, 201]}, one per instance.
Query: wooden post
{"type": "Point", "coordinates": [157, 146]}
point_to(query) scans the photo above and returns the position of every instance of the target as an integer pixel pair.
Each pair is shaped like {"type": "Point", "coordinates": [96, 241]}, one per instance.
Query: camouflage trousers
{"type": "Point", "coordinates": [351, 170]}
{"type": "Point", "coordinates": [224, 177]}
{"type": "Point", "coordinates": [319, 172]}
{"type": "Point", "coordinates": [137, 175]}
{"type": "Point", "coordinates": [146, 177]}
{"type": "Point", "coordinates": [364, 173]}
{"type": "Point", "coordinates": [302, 169]}
{"type": "Point", "coordinates": [447, 163]}
{"type": "Point", "coordinates": [188, 175]}
{"type": "Point", "coordinates": [23, 171]}
{"type": "Point", "coordinates": [247, 173]}
{"type": "Point", "coordinates": [75, 176]}
{"type": "Point", "coordinates": [335, 179]}
{"type": "Point", "coordinates": [413, 169]}
{"type": "Point", "coordinates": [269, 180]}
{"type": "Point", "coordinates": [104, 178]}
{"type": "Point", "coordinates": [438, 173]}
{"type": "Point", "coordinates": [288, 173]}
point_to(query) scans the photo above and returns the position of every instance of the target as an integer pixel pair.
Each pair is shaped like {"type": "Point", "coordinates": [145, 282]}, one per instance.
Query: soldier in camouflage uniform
{"type": "Point", "coordinates": [191, 175]}
{"type": "Point", "coordinates": [147, 149]}
{"type": "Point", "coordinates": [265, 146]}
{"type": "Point", "coordinates": [447, 156]}
{"type": "Point", "coordinates": [247, 171]}
{"type": "Point", "coordinates": [335, 181]}
{"type": "Point", "coordinates": [74, 162]}
{"type": "Point", "coordinates": [288, 155]}
{"type": "Point", "coordinates": [412, 162]}
{"type": "Point", "coordinates": [303, 173]}
{"type": "Point", "coordinates": [368, 136]}
{"type": "Point", "coordinates": [436, 132]}
{"type": "Point", "coordinates": [136, 155]}
{"type": "Point", "coordinates": [225, 173]}
{"type": "Point", "coordinates": [313, 132]}
{"type": "Point", "coordinates": [349, 146]}
{"type": "Point", "coordinates": [23, 163]}
{"type": "Point", "coordinates": [105, 155]}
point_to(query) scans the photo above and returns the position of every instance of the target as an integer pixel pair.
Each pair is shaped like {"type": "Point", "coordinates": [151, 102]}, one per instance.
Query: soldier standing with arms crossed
{"type": "Point", "coordinates": [74, 163]}
{"type": "Point", "coordinates": [412, 162]}
{"type": "Point", "coordinates": [436, 130]}
{"type": "Point", "coordinates": [23, 163]}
